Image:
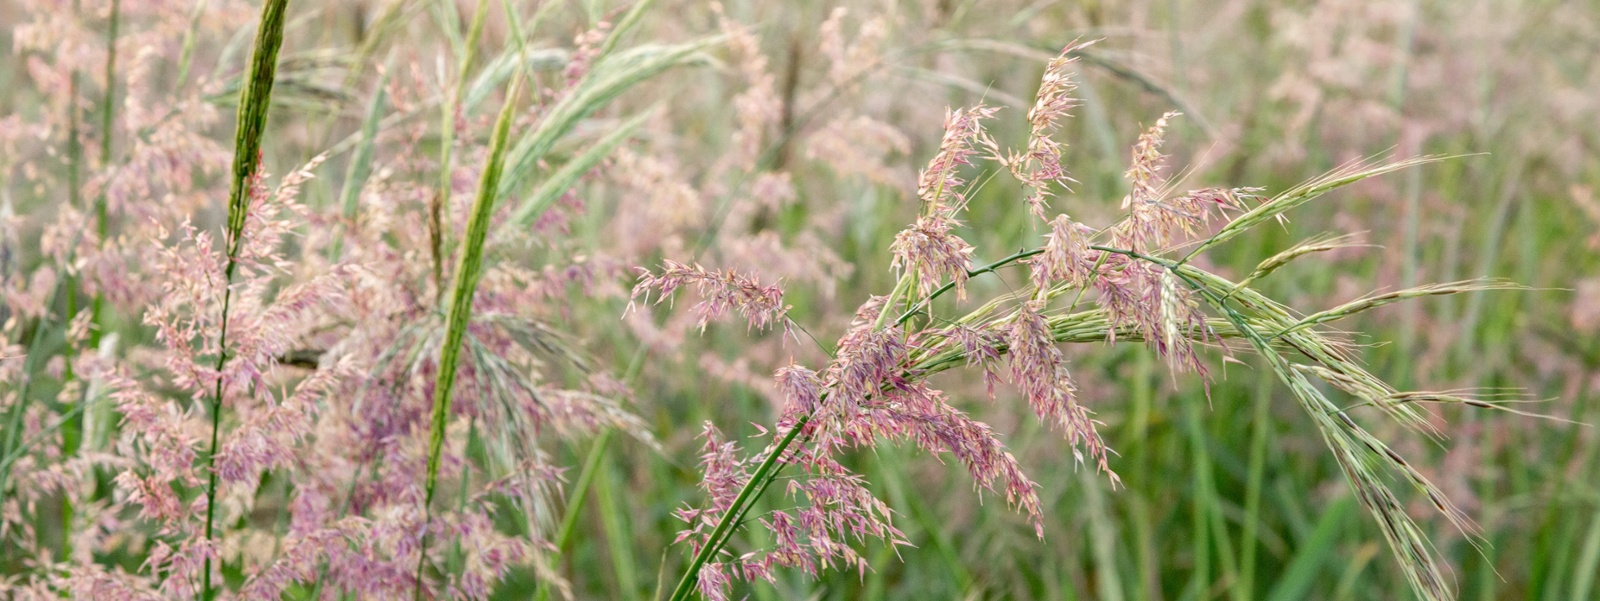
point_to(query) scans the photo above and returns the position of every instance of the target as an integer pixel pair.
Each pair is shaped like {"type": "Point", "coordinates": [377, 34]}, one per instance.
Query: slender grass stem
{"type": "Point", "coordinates": [459, 313]}
{"type": "Point", "coordinates": [1255, 480]}
{"type": "Point", "coordinates": [74, 181]}
{"type": "Point", "coordinates": [580, 490]}
{"type": "Point", "coordinates": [108, 108]}
{"type": "Point", "coordinates": [255, 99]}
{"type": "Point", "coordinates": [447, 131]}
{"type": "Point", "coordinates": [107, 119]}
{"type": "Point", "coordinates": [747, 494]}
{"type": "Point", "coordinates": [32, 359]}
{"type": "Point", "coordinates": [990, 268]}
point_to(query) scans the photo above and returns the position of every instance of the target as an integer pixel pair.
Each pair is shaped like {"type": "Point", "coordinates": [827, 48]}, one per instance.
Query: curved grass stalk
{"type": "Point", "coordinates": [1270, 329]}
{"type": "Point", "coordinates": [612, 74]}
{"type": "Point", "coordinates": [360, 167]}
{"type": "Point", "coordinates": [255, 98]}
{"type": "Point", "coordinates": [448, 108]}
{"type": "Point", "coordinates": [1275, 207]}
{"type": "Point", "coordinates": [468, 270]}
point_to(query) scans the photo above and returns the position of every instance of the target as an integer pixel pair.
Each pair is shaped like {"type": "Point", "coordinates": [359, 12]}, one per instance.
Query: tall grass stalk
{"type": "Point", "coordinates": [74, 176]}
{"type": "Point", "coordinates": [459, 312]}
{"type": "Point", "coordinates": [360, 167]}
{"type": "Point", "coordinates": [511, 166]}
{"type": "Point", "coordinates": [447, 131]}
{"type": "Point", "coordinates": [255, 98]}
{"type": "Point", "coordinates": [580, 492]}
{"type": "Point", "coordinates": [1269, 327]}
{"type": "Point", "coordinates": [12, 446]}
{"type": "Point", "coordinates": [108, 112]}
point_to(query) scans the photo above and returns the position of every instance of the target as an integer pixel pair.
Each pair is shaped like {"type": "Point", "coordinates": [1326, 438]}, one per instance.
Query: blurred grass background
{"type": "Point", "coordinates": [1230, 497]}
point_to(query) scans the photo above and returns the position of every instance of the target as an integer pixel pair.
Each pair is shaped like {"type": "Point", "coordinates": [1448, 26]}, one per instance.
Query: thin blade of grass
{"type": "Point", "coordinates": [459, 311]}
{"type": "Point", "coordinates": [1275, 207]}
{"type": "Point", "coordinates": [361, 163]}
{"type": "Point", "coordinates": [610, 76]}
{"type": "Point", "coordinates": [1303, 570]}
{"type": "Point", "coordinates": [563, 179]}
{"type": "Point", "coordinates": [255, 100]}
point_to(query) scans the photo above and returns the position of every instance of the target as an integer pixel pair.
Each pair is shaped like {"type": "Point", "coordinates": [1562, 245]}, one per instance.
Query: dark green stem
{"type": "Point", "coordinates": [460, 309]}
{"type": "Point", "coordinates": [254, 100]}
{"type": "Point", "coordinates": [990, 268]}
{"type": "Point", "coordinates": [580, 490]}
{"type": "Point", "coordinates": [747, 494]}
{"type": "Point", "coordinates": [108, 112]}
{"type": "Point", "coordinates": [107, 117]}
{"type": "Point", "coordinates": [74, 193]}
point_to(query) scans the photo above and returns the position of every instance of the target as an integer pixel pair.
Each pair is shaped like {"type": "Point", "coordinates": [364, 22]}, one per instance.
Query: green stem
{"type": "Point", "coordinates": [468, 270]}
{"type": "Point", "coordinates": [580, 490]}
{"type": "Point", "coordinates": [107, 118]}
{"type": "Point", "coordinates": [254, 101]}
{"type": "Point", "coordinates": [34, 356]}
{"type": "Point", "coordinates": [74, 193]}
{"type": "Point", "coordinates": [990, 268]}
{"type": "Point", "coordinates": [747, 494]}
{"type": "Point", "coordinates": [1261, 429]}
{"type": "Point", "coordinates": [108, 112]}
{"type": "Point", "coordinates": [447, 134]}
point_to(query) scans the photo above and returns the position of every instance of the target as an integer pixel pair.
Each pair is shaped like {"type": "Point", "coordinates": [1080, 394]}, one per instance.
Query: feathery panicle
{"type": "Point", "coordinates": [1067, 258]}
{"type": "Point", "coordinates": [721, 291]}
{"type": "Point", "coordinates": [939, 184]}
{"type": "Point", "coordinates": [930, 253]}
{"type": "Point", "coordinates": [980, 348]}
{"type": "Point", "coordinates": [1040, 167]}
{"type": "Point", "coordinates": [723, 474]}
{"type": "Point", "coordinates": [1040, 370]}
{"type": "Point", "coordinates": [1144, 170]}
{"type": "Point", "coordinates": [801, 388]}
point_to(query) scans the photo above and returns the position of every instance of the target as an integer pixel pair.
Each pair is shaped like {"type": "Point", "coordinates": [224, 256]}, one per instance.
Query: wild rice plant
{"type": "Point", "coordinates": [876, 388]}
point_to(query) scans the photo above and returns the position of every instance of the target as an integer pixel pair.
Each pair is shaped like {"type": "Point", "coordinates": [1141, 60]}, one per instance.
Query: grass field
{"type": "Point", "coordinates": [500, 299]}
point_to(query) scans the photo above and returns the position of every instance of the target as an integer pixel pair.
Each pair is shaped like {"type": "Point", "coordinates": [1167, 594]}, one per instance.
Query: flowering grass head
{"type": "Point", "coordinates": [875, 389]}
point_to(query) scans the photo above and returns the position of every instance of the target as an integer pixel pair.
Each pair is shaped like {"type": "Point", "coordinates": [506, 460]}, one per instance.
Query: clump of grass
{"type": "Point", "coordinates": [507, 171]}
{"type": "Point", "coordinates": [335, 304]}
{"type": "Point", "coordinates": [876, 387]}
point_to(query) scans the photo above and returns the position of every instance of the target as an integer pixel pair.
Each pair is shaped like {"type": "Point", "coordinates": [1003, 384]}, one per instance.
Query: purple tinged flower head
{"type": "Point", "coordinates": [801, 387]}
{"type": "Point", "coordinates": [964, 136]}
{"type": "Point", "coordinates": [869, 362]}
{"type": "Point", "coordinates": [981, 347]}
{"type": "Point", "coordinates": [721, 291]}
{"type": "Point", "coordinates": [1067, 257]}
{"type": "Point", "coordinates": [1039, 369]}
{"type": "Point", "coordinates": [1146, 225]}
{"type": "Point", "coordinates": [1040, 166]}
{"type": "Point", "coordinates": [932, 253]}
